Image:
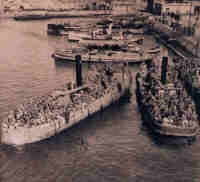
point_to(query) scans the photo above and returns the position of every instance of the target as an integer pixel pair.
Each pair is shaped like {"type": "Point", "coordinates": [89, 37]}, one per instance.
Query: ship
{"type": "Point", "coordinates": [46, 116]}
{"type": "Point", "coordinates": [166, 107]}
{"type": "Point", "coordinates": [186, 55]}
{"type": "Point", "coordinates": [64, 29]}
{"type": "Point", "coordinates": [96, 34]}
{"type": "Point", "coordinates": [66, 14]}
{"type": "Point", "coordinates": [131, 56]}
{"type": "Point", "coordinates": [24, 17]}
{"type": "Point", "coordinates": [122, 23]}
{"type": "Point", "coordinates": [75, 36]}
{"type": "Point", "coordinates": [110, 41]}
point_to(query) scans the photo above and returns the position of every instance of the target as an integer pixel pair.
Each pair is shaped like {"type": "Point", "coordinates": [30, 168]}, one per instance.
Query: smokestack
{"type": "Point", "coordinates": [150, 4]}
{"type": "Point", "coordinates": [164, 69]}
{"type": "Point", "coordinates": [78, 71]}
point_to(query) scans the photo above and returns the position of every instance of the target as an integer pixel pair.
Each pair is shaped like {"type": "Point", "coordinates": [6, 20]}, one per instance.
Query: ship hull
{"type": "Point", "coordinates": [24, 18]}
{"type": "Point", "coordinates": [98, 59]}
{"type": "Point", "coordinates": [24, 135]}
{"type": "Point", "coordinates": [157, 127]}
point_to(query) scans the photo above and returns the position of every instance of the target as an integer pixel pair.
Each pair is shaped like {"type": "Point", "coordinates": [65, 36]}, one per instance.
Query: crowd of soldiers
{"type": "Point", "coordinates": [59, 103]}
{"type": "Point", "coordinates": [189, 71]}
{"type": "Point", "coordinates": [168, 104]}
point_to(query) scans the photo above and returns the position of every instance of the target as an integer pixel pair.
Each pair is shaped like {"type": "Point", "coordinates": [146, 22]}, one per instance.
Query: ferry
{"type": "Point", "coordinates": [166, 108]}
{"type": "Point", "coordinates": [43, 117]}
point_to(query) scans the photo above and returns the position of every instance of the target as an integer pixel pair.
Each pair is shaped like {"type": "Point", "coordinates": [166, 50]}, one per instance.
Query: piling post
{"type": "Point", "coordinates": [78, 70]}
{"type": "Point", "coordinates": [164, 69]}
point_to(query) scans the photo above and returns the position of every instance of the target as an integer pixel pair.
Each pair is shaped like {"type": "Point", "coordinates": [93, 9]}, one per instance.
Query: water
{"type": "Point", "coordinates": [110, 146]}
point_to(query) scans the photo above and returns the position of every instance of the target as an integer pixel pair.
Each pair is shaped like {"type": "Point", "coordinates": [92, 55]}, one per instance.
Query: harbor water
{"type": "Point", "coordinates": [112, 145]}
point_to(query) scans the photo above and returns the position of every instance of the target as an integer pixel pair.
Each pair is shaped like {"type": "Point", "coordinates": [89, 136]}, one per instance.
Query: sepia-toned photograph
{"type": "Point", "coordinates": [99, 90]}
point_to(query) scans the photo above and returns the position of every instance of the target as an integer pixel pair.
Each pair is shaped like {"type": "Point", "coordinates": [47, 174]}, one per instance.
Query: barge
{"type": "Point", "coordinates": [43, 117]}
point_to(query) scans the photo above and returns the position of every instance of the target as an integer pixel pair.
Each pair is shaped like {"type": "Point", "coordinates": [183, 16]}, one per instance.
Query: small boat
{"type": "Point", "coordinates": [77, 36]}
{"type": "Point", "coordinates": [46, 116]}
{"type": "Point", "coordinates": [166, 108]}
{"type": "Point", "coordinates": [121, 23]}
{"type": "Point", "coordinates": [31, 17]}
{"type": "Point", "coordinates": [131, 51]}
{"type": "Point", "coordinates": [69, 27]}
{"type": "Point", "coordinates": [102, 56]}
{"type": "Point", "coordinates": [88, 42]}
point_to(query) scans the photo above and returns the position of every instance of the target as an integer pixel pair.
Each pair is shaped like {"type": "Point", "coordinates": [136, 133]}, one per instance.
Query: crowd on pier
{"type": "Point", "coordinates": [168, 104]}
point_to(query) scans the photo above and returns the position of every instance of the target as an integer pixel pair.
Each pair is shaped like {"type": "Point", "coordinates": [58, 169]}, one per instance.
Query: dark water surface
{"type": "Point", "coordinates": [110, 146]}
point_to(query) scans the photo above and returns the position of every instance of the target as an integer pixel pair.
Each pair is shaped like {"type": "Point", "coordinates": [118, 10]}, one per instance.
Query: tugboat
{"type": "Point", "coordinates": [43, 117]}
{"type": "Point", "coordinates": [164, 103]}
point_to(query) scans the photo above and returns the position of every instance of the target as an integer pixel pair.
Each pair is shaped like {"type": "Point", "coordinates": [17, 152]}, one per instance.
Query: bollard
{"type": "Point", "coordinates": [164, 70]}
{"type": "Point", "coordinates": [78, 71]}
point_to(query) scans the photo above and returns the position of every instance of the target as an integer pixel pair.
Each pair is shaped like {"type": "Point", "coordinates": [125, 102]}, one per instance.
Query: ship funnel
{"type": "Point", "coordinates": [78, 71]}
{"type": "Point", "coordinates": [164, 69]}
